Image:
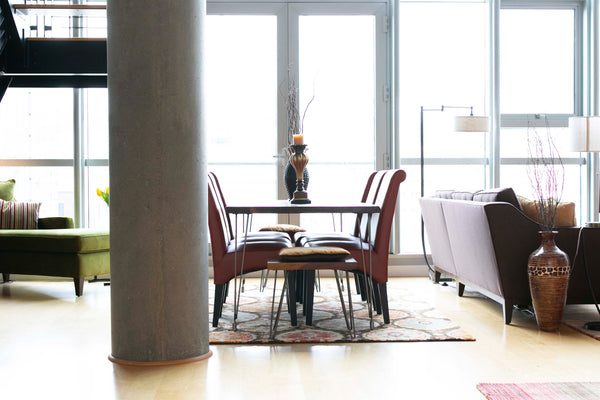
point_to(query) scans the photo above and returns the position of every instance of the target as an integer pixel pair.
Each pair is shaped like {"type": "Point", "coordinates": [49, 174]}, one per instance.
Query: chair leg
{"type": "Point", "coordinates": [382, 289]}
{"type": "Point", "coordinates": [291, 288]}
{"type": "Point", "coordinates": [377, 298]}
{"type": "Point", "coordinates": [300, 286]}
{"type": "Point", "coordinates": [220, 293]}
{"type": "Point", "coordinates": [309, 295]}
{"type": "Point", "coordinates": [226, 293]}
{"type": "Point", "coordinates": [356, 283]}
{"type": "Point", "coordinates": [78, 286]}
{"type": "Point", "coordinates": [5, 277]}
{"type": "Point", "coordinates": [361, 282]}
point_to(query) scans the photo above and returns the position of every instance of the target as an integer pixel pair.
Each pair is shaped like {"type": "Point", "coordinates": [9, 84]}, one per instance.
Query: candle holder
{"type": "Point", "coordinates": [299, 160]}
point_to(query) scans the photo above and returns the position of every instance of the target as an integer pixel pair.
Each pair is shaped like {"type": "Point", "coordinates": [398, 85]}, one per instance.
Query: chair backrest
{"type": "Point", "coordinates": [217, 220]}
{"type": "Point", "coordinates": [225, 218]}
{"type": "Point", "coordinates": [384, 193]}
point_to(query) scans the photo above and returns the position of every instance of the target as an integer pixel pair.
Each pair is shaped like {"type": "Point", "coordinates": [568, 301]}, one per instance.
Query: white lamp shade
{"type": "Point", "coordinates": [471, 124]}
{"type": "Point", "coordinates": [585, 134]}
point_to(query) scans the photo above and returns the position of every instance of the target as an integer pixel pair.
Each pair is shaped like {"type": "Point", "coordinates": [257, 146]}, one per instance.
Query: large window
{"type": "Point", "coordinates": [342, 53]}
{"type": "Point", "coordinates": [539, 89]}
{"type": "Point", "coordinates": [37, 135]}
{"type": "Point", "coordinates": [443, 57]}
{"type": "Point", "coordinates": [334, 54]}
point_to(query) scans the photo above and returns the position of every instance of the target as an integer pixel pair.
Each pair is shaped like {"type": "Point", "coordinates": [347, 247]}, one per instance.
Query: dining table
{"type": "Point", "coordinates": [247, 210]}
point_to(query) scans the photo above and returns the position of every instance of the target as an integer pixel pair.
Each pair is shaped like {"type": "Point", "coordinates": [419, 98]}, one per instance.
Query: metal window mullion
{"type": "Point", "coordinates": [495, 93]}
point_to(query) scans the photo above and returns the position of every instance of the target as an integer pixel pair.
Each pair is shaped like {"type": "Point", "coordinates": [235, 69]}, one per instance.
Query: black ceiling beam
{"type": "Point", "coordinates": [55, 81]}
{"type": "Point", "coordinates": [4, 82]}
{"type": "Point", "coordinates": [62, 56]}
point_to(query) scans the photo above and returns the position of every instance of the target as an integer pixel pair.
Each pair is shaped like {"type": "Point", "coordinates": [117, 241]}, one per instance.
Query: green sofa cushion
{"type": "Point", "coordinates": [7, 189]}
{"type": "Point", "coordinates": [54, 240]}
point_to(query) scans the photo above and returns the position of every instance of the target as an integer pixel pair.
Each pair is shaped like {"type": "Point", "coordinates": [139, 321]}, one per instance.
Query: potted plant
{"type": "Point", "coordinates": [548, 267]}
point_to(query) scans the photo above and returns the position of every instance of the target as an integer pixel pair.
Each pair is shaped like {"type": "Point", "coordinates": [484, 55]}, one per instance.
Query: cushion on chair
{"type": "Point", "coordinates": [565, 212]}
{"type": "Point", "coordinates": [15, 215]}
{"type": "Point", "coordinates": [283, 228]}
{"type": "Point", "coordinates": [7, 189]}
{"type": "Point", "coordinates": [320, 253]}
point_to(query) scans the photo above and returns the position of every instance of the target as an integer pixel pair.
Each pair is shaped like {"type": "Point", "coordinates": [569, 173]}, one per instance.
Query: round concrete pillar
{"type": "Point", "coordinates": [158, 186]}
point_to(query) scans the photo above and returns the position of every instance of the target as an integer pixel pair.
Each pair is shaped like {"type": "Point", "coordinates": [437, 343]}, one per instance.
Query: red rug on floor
{"type": "Point", "coordinates": [541, 391]}
{"type": "Point", "coordinates": [411, 319]}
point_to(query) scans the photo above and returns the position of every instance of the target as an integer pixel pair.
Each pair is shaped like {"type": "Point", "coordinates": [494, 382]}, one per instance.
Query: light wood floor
{"type": "Point", "coordinates": [55, 346]}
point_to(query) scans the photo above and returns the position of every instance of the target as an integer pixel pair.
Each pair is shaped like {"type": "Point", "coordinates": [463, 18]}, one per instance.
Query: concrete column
{"type": "Point", "coordinates": [158, 186]}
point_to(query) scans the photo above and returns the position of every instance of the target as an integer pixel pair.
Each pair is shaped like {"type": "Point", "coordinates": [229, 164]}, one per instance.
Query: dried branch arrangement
{"type": "Point", "coordinates": [546, 173]}
{"type": "Point", "coordinates": [295, 122]}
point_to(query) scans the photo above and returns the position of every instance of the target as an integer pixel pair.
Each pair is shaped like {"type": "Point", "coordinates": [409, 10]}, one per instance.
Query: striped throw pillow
{"type": "Point", "coordinates": [15, 215]}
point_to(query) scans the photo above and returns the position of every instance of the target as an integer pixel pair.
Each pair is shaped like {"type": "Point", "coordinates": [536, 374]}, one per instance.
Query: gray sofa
{"type": "Point", "coordinates": [485, 245]}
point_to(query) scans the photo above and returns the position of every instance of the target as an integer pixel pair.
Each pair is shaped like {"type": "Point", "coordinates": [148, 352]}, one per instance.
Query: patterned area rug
{"type": "Point", "coordinates": [411, 319]}
{"type": "Point", "coordinates": [541, 391]}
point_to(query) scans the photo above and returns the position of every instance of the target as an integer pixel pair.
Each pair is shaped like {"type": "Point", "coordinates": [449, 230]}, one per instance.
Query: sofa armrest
{"type": "Point", "coordinates": [55, 223]}
{"type": "Point", "coordinates": [472, 245]}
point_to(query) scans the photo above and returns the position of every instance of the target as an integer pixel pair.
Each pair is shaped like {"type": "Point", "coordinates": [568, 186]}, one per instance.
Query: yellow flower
{"type": "Point", "coordinates": [104, 195]}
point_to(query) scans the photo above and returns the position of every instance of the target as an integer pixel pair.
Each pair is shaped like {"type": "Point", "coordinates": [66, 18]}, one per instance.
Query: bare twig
{"type": "Point", "coordinates": [295, 123]}
{"type": "Point", "coordinates": [546, 173]}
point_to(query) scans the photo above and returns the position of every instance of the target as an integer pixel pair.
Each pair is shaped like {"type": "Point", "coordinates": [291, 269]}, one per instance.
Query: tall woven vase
{"type": "Point", "coordinates": [548, 269]}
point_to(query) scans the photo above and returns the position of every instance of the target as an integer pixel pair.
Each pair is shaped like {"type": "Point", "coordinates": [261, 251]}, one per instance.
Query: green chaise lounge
{"type": "Point", "coordinates": [55, 249]}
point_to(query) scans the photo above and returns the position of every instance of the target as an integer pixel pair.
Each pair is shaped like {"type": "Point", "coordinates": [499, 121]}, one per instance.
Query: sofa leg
{"type": "Point", "coordinates": [507, 310]}
{"type": "Point", "coordinates": [5, 277]}
{"type": "Point", "coordinates": [460, 289]}
{"type": "Point", "coordinates": [437, 276]}
{"type": "Point", "coordinates": [78, 286]}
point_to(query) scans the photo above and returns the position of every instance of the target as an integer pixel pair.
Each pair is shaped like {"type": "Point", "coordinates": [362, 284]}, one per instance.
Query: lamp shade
{"type": "Point", "coordinates": [585, 134]}
{"type": "Point", "coordinates": [471, 124]}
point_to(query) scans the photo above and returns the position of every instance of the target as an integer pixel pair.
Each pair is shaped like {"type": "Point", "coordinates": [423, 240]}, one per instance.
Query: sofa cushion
{"type": "Point", "coordinates": [7, 189]}
{"type": "Point", "coordinates": [15, 215]}
{"type": "Point", "coordinates": [506, 195]}
{"type": "Point", "coordinates": [565, 212]}
{"type": "Point", "coordinates": [444, 194]}
{"type": "Point", "coordinates": [462, 195]}
{"type": "Point", "coordinates": [55, 240]}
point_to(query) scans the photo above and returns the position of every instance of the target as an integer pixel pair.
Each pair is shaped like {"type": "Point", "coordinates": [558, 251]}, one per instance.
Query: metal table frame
{"type": "Point", "coordinates": [285, 207]}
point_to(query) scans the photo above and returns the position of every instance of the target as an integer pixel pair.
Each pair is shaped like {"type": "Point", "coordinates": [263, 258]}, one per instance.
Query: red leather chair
{"type": "Point", "coordinates": [381, 189]}
{"type": "Point", "coordinates": [260, 247]}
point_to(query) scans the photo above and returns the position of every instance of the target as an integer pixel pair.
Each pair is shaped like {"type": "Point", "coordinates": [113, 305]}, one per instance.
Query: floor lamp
{"type": "Point", "coordinates": [585, 138]}
{"type": "Point", "coordinates": [463, 123]}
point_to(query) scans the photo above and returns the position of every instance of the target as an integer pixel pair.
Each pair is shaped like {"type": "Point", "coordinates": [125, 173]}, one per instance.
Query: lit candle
{"type": "Point", "coordinates": [298, 139]}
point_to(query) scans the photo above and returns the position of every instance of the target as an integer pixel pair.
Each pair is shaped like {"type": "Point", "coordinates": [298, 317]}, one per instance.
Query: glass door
{"type": "Point", "coordinates": [338, 53]}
